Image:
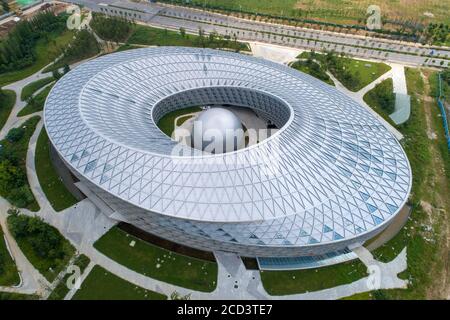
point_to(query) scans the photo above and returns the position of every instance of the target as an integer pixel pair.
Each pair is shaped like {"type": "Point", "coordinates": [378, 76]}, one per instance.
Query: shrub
{"type": "Point", "coordinates": [21, 196]}
{"type": "Point", "coordinates": [15, 134]}
{"type": "Point", "coordinates": [45, 240]}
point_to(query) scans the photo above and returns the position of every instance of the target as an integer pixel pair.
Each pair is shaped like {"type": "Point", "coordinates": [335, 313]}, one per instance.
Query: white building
{"type": "Point", "coordinates": [332, 176]}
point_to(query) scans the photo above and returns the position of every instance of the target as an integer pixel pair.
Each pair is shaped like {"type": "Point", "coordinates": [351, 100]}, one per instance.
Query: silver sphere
{"type": "Point", "coordinates": [217, 130]}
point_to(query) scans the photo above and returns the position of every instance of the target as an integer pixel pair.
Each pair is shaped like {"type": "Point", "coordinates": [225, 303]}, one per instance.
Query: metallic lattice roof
{"type": "Point", "coordinates": [332, 171]}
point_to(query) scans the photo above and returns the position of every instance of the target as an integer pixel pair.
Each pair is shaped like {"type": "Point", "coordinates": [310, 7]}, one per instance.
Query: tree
{"type": "Point", "coordinates": [11, 177]}
{"type": "Point", "coordinates": [66, 68]}
{"type": "Point", "coordinates": [31, 101]}
{"type": "Point", "coordinates": [56, 74]}
{"type": "Point", "coordinates": [5, 5]}
{"type": "Point", "coordinates": [182, 32]}
{"type": "Point", "coordinates": [15, 134]}
{"type": "Point", "coordinates": [201, 36]}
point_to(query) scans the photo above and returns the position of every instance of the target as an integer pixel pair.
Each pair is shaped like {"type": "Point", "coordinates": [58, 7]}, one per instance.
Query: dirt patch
{"type": "Point", "coordinates": [431, 135]}
{"type": "Point", "coordinates": [427, 207]}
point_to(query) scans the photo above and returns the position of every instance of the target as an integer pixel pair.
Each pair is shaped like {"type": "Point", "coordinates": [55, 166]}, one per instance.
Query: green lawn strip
{"type": "Point", "coordinates": [126, 47]}
{"type": "Point", "coordinates": [421, 242]}
{"type": "Point", "coordinates": [308, 280]}
{"type": "Point", "coordinates": [57, 194]}
{"type": "Point", "coordinates": [7, 101]}
{"type": "Point", "coordinates": [382, 99]}
{"type": "Point", "coordinates": [9, 276]}
{"type": "Point", "coordinates": [61, 289]}
{"type": "Point", "coordinates": [360, 296]}
{"type": "Point", "coordinates": [362, 72]}
{"type": "Point", "coordinates": [162, 37]}
{"type": "Point", "coordinates": [14, 183]}
{"type": "Point", "coordinates": [34, 238]}
{"type": "Point", "coordinates": [4, 296]}
{"type": "Point", "coordinates": [46, 52]}
{"type": "Point", "coordinates": [103, 285]}
{"type": "Point", "coordinates": [32, 87]}
{"type": "Point", "coordinates": [37, 102]}
{"type": "Point", "coordinates": [167, 122]}
{"type": "Point", "coordinates": [158, 263]}
{"type": "Point", "coordinates": [314, 69]}
{"type": "Point", "coordinates": [415, 144]}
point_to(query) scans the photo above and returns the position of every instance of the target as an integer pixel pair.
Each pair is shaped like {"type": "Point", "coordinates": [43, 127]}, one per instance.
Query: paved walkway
{"type": "Point", "coordinates": [275, 53]}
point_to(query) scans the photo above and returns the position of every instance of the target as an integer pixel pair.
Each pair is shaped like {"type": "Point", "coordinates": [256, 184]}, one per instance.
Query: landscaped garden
{"type": "Point", "coordinates": [13, 178]}
{"type": "Point", "coordinates": [35, 103]}
{"type": "Point", "coordinates": [43, 245]}
{"type": "Point", "coordinates": [354, 74]}
{"type": "Point", "coordinates": [36, 42]}
{"type": "Point", "coordinates": [312, 68]}
{"type": "Point", "coordinates": [57, 194]}
{"type": "Point", "coordinates": [103, 285]}
{"type": "Point", "coordinates": [9, 275]}
{"type": "Point", "coordinates": [34, 86]}
{"type": "Point", "coordinates": [382, 99]}
{"type": "Point", "coordinates": [158, 263]}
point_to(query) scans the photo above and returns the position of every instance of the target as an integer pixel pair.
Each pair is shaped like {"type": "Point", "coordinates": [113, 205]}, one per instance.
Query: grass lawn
{"type": "Point", "coordinates": [9, 275]}
{"type": "Point", "coordinates": [7, 101]}
{"type": "Point", "coordinates": [300, 281]}
{"type": "Point", "coordinates": [364, 72]}
{"type": "Point", "coordinates": [354, 74]}
{"type": "Point", "coordinates": [425, 233]}
{"type": "Point", "coordinates": [103, 285]}
{"type": "Point", "coordinates": [18, 150]}
{"type": "Point", "coordinates": [360, 296]}
{"type": "Point", "coordinates": [314, 69]}
{"type": "Point", "coordinates": [46, 52]}
{"type": "Point", "coordinates": [38, 103]}
{"type": "Point", "coordinates": [160, 37]}
{"type": "Point", "coordinates": [167, 122]}
{"type": "Point", "coordinates": [32, 87]}
{"type": "Point", "coordinates": [61, 290]}
{"type": "Point", "coordinates": [158, 263]}
{"type": "Point", "coordinates": [4, 296]}
{"type": "Point", "coordinates": [49, 268]}
{"type": "Point", "coordinates": [57, 194]}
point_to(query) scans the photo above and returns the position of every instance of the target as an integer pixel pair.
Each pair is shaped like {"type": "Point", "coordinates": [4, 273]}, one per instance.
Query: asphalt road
{"type": "Point", "coordinates": [174, 17]}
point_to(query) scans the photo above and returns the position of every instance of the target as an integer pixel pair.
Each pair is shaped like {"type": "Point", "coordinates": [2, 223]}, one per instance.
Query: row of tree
{"type": "Point", "coordinates": [5, 6]}
{"type": "Point", "coordinates": [112, 28]}
{"type": "Point", "coordinates": [17, 50]}
{"type": "Point", "coordinates": [13, 179]}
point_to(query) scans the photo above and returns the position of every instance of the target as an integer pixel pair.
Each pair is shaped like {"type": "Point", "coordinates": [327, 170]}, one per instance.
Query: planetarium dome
{"type": "Point", "coordinates": [217, 130]}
